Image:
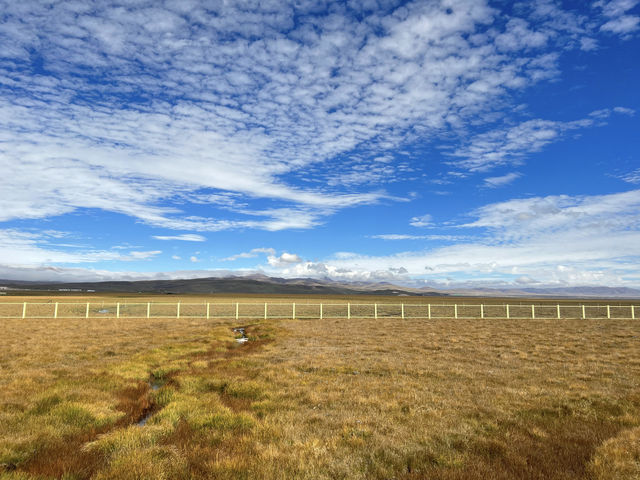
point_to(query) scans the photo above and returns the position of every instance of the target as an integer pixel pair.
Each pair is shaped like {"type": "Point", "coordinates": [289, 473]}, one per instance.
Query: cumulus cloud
{"type": "Point", "coordinates": [347, 274]}
{"type": "Point", "coordinates": [553, 240]}
{"type": "Point", "coordinates": [619, 21]}
{"type": "Point", "coordinates": [274, 260]}
{"type": "Point", "coordinates": [557, 240]}
{"type": "Point", "coordinates": [284, 259]}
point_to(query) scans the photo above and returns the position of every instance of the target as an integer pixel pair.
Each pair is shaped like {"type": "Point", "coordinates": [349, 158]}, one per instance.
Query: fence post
{"type": "Point", "coordinates": [237, 311]}
{"type": "Point", "coordinates": [507, 310]}
{"type": "Point", "coordinates": [375, 310]}
{"type": "Point", "coordinates": [558, 310]}
{"type": "Point", "coordinates": [87, 314]}
{"type": "Point", "coordinates": [293, 312]}
{"type": "Point", "coordinates": [348, 311]}
{"type": "Point", "coordinates": [118, 310]}
{"type": "Point", "coordinates": [265, 310]}
{"type": "Point", "coordinates": [178, 310]}
{"type": "Point", "coordinates": [402, 309]}
{"type": "Point", "coordinates": [148, 309]}
{"type": "Point", "coordinates": [482, 311]}
{"type": "Point", "coordinates": [320, 311]}
{"type": "Point", "coordinates": [583, 313]}
{"type": "Point", "coordinates": [633, 312]}
{"type": "Point", "coordinates": [24, 309]}
{"type": "Point", "coordinates": [608, 311]}
{"type": "Point", "coordinates": [455, 310]}
{"type": "Point", "coordinates": [429, 310]}
{"type": "Point", "coordinates": [533, 311]}
{"type": "Point", "coordinates": [208, 311]}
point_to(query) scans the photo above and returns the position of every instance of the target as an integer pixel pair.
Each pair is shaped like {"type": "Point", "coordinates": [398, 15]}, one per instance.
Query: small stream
{"type": "Point", "coordinates": [155, 385]}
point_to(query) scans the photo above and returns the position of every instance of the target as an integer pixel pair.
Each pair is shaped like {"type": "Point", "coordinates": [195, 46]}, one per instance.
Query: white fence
{"type": "Point", "coordinates": [239, 311]}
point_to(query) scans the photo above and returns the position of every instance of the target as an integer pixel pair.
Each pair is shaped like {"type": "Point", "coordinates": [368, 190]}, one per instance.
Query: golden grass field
{"type": "Point", "coordinates": [332, 399]}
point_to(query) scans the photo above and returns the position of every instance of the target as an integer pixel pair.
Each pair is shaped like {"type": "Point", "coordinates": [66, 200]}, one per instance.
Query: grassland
{"type": "Point", "coordinates": [331, 399]}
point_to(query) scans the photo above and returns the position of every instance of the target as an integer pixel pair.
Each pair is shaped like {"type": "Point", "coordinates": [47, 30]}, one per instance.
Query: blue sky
{"type": "Point", "coordinates": [442, 143]}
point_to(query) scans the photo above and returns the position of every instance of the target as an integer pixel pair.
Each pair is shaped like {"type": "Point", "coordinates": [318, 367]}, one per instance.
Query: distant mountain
{"type": "Point", "coordinates": [260, 284]}
{"type": "Point", "coordinates": [574, 292]}
{"type": "Point", "coordinates": [590, 291]}
{"type": "Point", "coordinates": [253, 284]}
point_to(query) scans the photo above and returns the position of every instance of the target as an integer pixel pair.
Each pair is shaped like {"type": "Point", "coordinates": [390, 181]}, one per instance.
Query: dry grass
{"type": "Point", "coordinates": [386, 399]}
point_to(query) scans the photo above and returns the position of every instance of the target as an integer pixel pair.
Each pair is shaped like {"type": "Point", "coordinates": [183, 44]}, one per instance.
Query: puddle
{"type": "Point", "coordinates": [7, 467]}
{"type": "Point", "coordinates": [143, 421]}
{"type": "Point", "coordinates": [155, 385]}
{"type": "Point", "coordinates": [241, 331]}
{"type": "Point", "coordinates": [104, 310]}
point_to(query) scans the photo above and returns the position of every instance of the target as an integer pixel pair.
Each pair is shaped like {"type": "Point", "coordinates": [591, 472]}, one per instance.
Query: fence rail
{"type": "Point", "coordinates": [268, 310]}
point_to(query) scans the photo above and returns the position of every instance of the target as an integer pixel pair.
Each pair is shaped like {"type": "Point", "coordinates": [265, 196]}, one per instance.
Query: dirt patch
{"type": "Point", "coordinates": [65, 456]}
{"type": "Point", "coordinates": [560, 450]}
{"type": "Point", "coordinates": [234, 403]}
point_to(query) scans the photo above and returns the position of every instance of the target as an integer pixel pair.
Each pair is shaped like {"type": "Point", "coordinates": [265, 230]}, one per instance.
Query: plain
{"type": "Point", "coordinates": [364, 398]}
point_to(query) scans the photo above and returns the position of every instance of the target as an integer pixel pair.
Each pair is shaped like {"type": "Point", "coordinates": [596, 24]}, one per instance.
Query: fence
{"type": "Point", "coordinates": [265, 311]}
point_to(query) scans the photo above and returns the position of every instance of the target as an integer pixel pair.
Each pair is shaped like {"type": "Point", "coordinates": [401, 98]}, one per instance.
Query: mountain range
{"type": "Point", "coordinates": [264, 285]}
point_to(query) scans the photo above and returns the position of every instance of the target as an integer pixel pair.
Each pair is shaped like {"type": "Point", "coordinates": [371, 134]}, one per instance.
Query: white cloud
{"type": "Point", "coordinates": [25, 248]}
{"type": "Point", "coordinates": [284, 259]}
{"type": "Point", "coordinates": [194, 259]}
{"type": "Point", "coordinates": [211, 115]}
{"type": "Point", "coordinates": [625, 111]}
{"type": "Point", "coordinates": [557, 240]}
{"type": "Point", "coordinates": [253, 253]}
{"type": "Point", "coordinates": [622, 25]}
{"type": "Point", "coordinates": [144, 255]}
{"type": "Point", "coordinates": [78, 274]}
{"type": "Point", "coordinates": [350, 274]}
{"type": "Point", "coordinates": [421, 221]}
{"type": "Point", "coordinates": [615, 8]}
{"type": "Point", "coordinates": [632, 177]}
{"type": "Point", "coordinates": [232, 116]}
{"type": "Point", "coordinates": [495, 182]}
{"type": "Point", "coordinates": [509, 145]}
{"type": "Point", "coordinates": [619, 21]}
{"type": "Point", "coordinates": [187, 237]}
{"type": "Point", "coordinates": [398, 236]}
{"type": "Point", "coordinates": [273, 259]}
{"type": "Point", "coordinates": [176, 257]}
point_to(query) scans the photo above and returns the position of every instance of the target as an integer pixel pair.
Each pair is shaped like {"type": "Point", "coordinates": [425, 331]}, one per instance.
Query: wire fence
{"type": "Point", "coordinates": [235, 310]}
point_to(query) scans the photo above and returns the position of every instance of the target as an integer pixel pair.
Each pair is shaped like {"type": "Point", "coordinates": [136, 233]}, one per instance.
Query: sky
{"type": "Point", "coordinates": [442, 143]}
